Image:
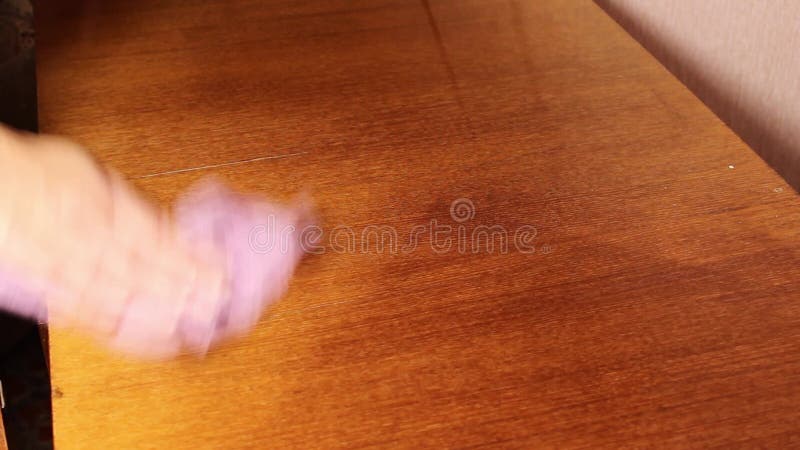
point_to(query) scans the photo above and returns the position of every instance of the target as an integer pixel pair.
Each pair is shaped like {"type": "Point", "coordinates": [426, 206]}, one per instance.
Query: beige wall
{"type": "Point", "coordinates": [741, 57]}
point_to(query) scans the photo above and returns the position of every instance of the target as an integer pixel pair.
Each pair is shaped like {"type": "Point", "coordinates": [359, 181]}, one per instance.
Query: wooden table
{"type": "Point", "coordinates": [3, 445]}
{"type": "Point", "coordinates": [659, 307]}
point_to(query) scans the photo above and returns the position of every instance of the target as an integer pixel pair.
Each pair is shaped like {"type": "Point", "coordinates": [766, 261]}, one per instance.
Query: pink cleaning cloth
{"type": "Point", "coordinates": [260, 244]}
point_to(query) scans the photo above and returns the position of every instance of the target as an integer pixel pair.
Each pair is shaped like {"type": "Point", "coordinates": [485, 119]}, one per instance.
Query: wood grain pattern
{"type": "Point", "coordinates": [658, 310]}
{"type": "Point", "coordinates": [3, 445]}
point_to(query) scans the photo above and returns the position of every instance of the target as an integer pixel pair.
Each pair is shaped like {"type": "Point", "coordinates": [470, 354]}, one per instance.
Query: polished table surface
{"type": "Point", "coordinates": [3, 445]}
{"type": "Point", "coordinates": [659, 306]}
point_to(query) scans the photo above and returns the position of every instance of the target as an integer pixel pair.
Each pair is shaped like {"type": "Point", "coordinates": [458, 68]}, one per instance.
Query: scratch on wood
{"type": "Point", "coordinates": [214, 166]}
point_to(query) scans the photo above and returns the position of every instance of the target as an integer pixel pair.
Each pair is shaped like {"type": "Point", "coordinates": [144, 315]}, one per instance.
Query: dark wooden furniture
{"type": "Point", "coordinates": [658, 309]}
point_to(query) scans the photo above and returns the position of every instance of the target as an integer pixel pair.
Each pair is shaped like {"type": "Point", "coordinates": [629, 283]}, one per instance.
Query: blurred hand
{"type": "Point", "coordinates": [76, 237]}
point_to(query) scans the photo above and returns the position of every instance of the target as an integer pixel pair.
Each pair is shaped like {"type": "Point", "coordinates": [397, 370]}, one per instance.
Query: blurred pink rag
{"type": "Point", "coordinates": [260, 242]}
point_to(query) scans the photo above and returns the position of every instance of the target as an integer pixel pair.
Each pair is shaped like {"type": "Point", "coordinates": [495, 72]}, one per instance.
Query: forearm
{"type": "Point", "coordinates": [19, 291]}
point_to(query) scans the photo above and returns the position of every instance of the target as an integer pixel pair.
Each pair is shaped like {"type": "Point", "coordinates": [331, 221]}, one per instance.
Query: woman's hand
{"type": "Point", "coordinates": [100, 257]}
{"type": "Point", "coordinates": [80, 246]}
